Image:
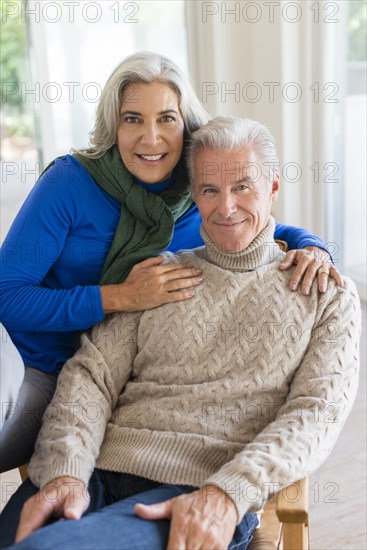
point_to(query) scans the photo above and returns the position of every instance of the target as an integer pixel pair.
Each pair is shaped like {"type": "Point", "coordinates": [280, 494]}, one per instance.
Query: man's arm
{"type": "Point", "coordinates": [306, 427]}
{"type": "Point", "coordinates": [75, 421]}
{"type": "Point", "coordinates": [87, 391]}
{"type": "Point", "coordinates": [294, 444]}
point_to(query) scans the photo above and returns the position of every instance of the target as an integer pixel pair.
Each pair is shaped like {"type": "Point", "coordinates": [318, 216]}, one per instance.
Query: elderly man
{"type": "Point", "coordinates": [197, 411]}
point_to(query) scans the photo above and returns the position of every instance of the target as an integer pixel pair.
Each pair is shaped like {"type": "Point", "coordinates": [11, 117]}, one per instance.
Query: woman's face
{"type": "Point", "coordinates": [150, 135]}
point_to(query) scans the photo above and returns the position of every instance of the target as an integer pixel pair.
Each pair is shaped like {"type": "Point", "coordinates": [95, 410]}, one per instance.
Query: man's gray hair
{"type": "Point", "coordinates": [142, 67]}
{"type": "Point", "coordinates": [229, 133]}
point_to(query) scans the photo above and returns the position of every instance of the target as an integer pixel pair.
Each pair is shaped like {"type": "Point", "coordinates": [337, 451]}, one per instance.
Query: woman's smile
{"type": "Point", "coordinates": [150, 135]}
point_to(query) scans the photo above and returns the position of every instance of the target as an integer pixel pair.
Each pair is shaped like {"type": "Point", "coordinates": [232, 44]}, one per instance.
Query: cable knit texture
{"type": "Point", "coordinates": [246, 385]}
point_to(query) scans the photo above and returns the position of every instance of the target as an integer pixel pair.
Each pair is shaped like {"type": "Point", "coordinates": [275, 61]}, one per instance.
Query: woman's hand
{"type": "Point", "coordinates": [149, 285]}
{"type": "Point", "coordinates": [202, 519]}
{"type": "Point", "coordinates": [311, 262]}
{"type": "Point", "coordinates": [64, 497]}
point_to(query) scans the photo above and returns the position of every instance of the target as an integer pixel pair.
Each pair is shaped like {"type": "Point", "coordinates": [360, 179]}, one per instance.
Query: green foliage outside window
{"type": "Point", "coordinates": [12, 53]}
{"type": "Point", "coordinates": [357, 30]}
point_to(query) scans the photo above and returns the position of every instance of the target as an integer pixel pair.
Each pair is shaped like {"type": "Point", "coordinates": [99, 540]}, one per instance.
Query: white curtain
{"type": "Point", "coordinates": [277, 62]}
{"type": "Point", "coordinates": [75, 47]}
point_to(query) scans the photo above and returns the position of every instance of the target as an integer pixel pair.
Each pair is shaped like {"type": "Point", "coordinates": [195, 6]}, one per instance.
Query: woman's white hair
{"type": "Point", "coordinates": [144, 67]}
{"type": "Point", "coordinates": [229, 133]}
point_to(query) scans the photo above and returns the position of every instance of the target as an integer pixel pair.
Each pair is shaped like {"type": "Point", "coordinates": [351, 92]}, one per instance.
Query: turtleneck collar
{"type": "Point", "coordinates": [263, 250]}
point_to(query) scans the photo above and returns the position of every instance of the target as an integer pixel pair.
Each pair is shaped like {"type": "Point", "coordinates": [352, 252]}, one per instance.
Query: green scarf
{"type": "Point", "coordinates": [147, 220]}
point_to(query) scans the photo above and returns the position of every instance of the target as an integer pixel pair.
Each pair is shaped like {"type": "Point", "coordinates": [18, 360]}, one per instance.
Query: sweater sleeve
{"type": "Point", "coordinates": [34, 243]}
{"type": "Point", "coordinates": [306, 427]}
{"type": "Point", "coordinates": [87, 391]}
{"type": "Point", "coordinates": [296, 237]}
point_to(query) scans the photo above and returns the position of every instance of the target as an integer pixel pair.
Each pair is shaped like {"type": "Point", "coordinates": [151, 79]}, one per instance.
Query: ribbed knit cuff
{"type": "Point", "coordinates": [40, 474]}
{"type": "Point", "coordinates": [246, 496]}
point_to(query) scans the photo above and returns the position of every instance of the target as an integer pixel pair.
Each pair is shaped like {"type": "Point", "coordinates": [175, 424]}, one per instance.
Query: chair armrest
{"type": "Point", "coordinates": [292, 503]}
{"type": "Point", "coordinates": [284, 521]}
{"type": "Point", "coordinates": [23, 472]}
{"type": "Point", "coordinates": [283, 245]}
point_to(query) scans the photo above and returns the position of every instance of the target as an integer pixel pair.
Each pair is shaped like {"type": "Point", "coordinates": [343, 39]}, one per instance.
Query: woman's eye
{"type": "Point", "coordinates": [167, 118]}
{"type": "Point", "coordinates": [131, 119]}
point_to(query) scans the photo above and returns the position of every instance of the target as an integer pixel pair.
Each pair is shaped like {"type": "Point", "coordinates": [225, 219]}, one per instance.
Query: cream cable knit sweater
{"type": "Point", "coordinates": [246, 385]}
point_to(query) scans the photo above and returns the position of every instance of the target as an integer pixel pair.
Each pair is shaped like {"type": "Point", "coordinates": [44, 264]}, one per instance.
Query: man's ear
{"type": "Point", "coordinates": [275, 187]}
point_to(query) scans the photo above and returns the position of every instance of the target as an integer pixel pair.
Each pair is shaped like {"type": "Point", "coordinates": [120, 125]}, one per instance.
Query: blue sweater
{"type": "Point", "coordinates": [53, 256]}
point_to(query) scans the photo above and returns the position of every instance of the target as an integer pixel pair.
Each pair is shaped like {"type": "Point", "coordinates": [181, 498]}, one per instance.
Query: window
{"type": "Point", "coordinates": [355, 147]}
{"type": "Point", "coordinates": [18, 123]}
{"type": "Point", "coordinates": [73, 48]}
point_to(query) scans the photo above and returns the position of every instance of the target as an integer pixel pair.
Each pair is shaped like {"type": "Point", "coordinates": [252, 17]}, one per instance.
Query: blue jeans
{"type": "Point", "coordinates": [109, 522]}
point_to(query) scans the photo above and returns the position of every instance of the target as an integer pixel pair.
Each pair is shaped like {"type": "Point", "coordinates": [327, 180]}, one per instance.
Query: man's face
{"type": "Point", "coordinates": [234, 196]}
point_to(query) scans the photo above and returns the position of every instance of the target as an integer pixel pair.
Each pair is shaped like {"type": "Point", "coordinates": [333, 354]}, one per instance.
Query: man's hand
{"type": "Point", "coordinates": [311, 262]}
{"type": "Point", "coordinates": [64, 497]}
{"type": "Point", "coordinates": [205, 519]}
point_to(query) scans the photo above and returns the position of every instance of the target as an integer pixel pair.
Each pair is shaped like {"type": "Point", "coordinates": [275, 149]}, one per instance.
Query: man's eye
{"type": "Point", "coordinates": [208, 191]}
{"type": "Point", "coordinates": [242, 188]}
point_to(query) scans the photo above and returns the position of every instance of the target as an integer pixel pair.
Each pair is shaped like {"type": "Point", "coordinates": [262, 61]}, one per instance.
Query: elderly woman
{"type": "Point", "coordinates": [87, 241]}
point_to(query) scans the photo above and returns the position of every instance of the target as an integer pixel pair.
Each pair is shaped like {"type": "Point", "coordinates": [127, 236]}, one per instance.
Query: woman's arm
{"type": "Point", "coordinates": [150, 284]}
{"type": "Point", "coordinates": [311, 256]}
{"type": "Point", "coordinates": [297, 237]}
{"type": "Point", "coordinates": [32, 297]}
{"type": "Point", "coordinates": [52, 260]}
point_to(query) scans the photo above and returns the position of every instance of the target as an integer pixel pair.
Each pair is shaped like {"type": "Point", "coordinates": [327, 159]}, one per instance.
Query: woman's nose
{"type": "Point", "coordinates": [150, 134]}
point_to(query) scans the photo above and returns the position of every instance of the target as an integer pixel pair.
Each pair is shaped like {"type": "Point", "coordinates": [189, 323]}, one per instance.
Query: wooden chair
{"type": "Point", "coordinates": [285, 521]}
{"type": "Point", "coordinates": [23, 472]}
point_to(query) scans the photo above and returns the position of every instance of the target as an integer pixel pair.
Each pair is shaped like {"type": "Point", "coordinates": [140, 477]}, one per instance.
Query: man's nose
{"type": "Point", "coordinates": [227, 205]}
{"type": "Point", "coordinates": [150, 134]}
